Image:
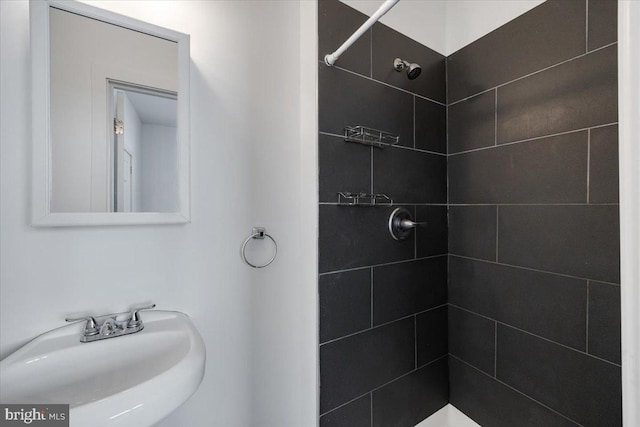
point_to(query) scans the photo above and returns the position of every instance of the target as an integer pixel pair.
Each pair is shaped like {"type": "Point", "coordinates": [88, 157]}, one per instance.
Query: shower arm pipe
{"type": "Point", "coordinates": [331, 58]}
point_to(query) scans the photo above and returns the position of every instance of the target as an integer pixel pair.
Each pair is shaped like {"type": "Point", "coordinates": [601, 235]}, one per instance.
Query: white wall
{"type": "Point", "coordinates": [250, 166]}
{"type": "Point", "coordinates": [469, 20]}
{"type": "Point", "coordinates": [159, 167]}
{"type": "Point", "coordinates": [422, 20]}
{"type": "Point", "coordinates": [446, 25]}
{"type": "Point", "coordinates": [80, 66]}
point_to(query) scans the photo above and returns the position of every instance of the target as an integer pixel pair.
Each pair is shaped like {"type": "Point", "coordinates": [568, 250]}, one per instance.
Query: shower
{"type": "Point", "coordinates": [413, 69]}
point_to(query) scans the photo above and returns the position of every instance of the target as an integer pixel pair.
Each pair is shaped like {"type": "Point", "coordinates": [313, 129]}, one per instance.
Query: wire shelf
{"type": "Point", "coordinates": [368, 136]}
{"type": "Point", "coordinates": [363, 199]}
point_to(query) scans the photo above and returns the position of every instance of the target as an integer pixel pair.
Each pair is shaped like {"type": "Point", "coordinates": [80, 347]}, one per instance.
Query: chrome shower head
{"type": "Point", "coordinates": [413, 69]}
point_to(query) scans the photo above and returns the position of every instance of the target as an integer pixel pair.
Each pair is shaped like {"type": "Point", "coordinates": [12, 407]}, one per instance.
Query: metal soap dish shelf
{"type": "Point", "coordinates": [363, 199]}
{"type": "Point", "coordinates": [368, 136]}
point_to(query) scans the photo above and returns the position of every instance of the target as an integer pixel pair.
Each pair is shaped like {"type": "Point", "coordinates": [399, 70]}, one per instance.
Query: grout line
{"type": "Point", "coordinates": [371, 166]}
{"type": "Point", "coordinates": [415, 234]}
{"type": "Point", "coordinates": [530, 74]}
{"type": "Point", "coordinates": [384, 385]}
{"type": "Point", "coordinates": [383, 324]}
{"type": "Point", "coordinates": [371, 52]}
{"type": "Point", "coordinates": [382, 265]}
{"type": "Point", "coordinates": [586, 346]}
{"type": "Point", "coordinates": [586, 27]}
{"type": "Point", "coordinates": [415, 340]}
{"type": "Point", "coordinates": [588, 164]}
{"type": "Point", "coordinates": [514, 389]}
{"type": "Point", "coordinates": [497, 229]}
{"type": "Point", "coordinates": [533, 269]}
{"type": "Point", "coordinates": [495, 351]}
{"type": "Point", "coordinates": [387, 84]}
{"type": "Point", "coordinates": [420, 150]}
{"type": "Point", "coordinates": [532, 139]}
{"type": "Point", "coordinates": [535, 335]}
{"type": "Point", "coordinates": [371, 406]}
{"type": "Point", "coordinates": [495, 124]}
{"type": "Point", "coordinates": [414, 121]}
{"type": "Point", "coordinates": [528, 204]}
{"type": "Point", "coordinates": [371, 296]}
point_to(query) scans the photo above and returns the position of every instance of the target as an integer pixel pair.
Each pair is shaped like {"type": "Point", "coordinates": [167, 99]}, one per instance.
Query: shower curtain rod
{"type": "Point", "coordinates": [331, 58]}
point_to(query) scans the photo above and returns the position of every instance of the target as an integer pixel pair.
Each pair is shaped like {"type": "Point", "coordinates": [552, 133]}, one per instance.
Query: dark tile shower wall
{"type": "Point", "coordinates": [534, 314]}
{"type": "Point", "coordinates": [383, 312]}
{"type": "Point", "coordinates": [526, 304]}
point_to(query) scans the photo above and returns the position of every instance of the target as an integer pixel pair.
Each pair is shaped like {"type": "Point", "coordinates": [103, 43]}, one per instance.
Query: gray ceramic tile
{"type": "Point", "coordinates": [431, 335]}
{"type": "Point", "coordinates": [582, 241]}
{"type": "Point", "coordinates": [336, 23]}
{"type": "Point", "coordinates": [357, 364]}
{"type": "Point", "coordinates": [431, 126]}
{"type": "Point", "coordinates": [575, 95]}
{"type": "Point", "coordinates": [354, 414]}
{"type": "Point", "coordinates": [547, 170]}
{"type": "Point", "coordinates": [546, 35]}
{"type": "Point", "coordinates": [604, 321]}
{"type": "Point", "coordinates": [603, 169]}
{"type": "Point", "coordinates": [412, 398]}
{"type": "Point", "coordinates": [490, 403]}
{"type": "Point", "coordinates": [579, 386]}
{"type": "Point", "coordinates": [343, 167]}
{"type": "Point", "coordinates": [346, 99]}
{"type": "Point", "coordinates": [388, 44]}
{"type": "Point", "coordinates": [472, 123]}
{"type": "Point", "coordinates": [407, 288]}
{"type": "Point", "coordinates": [472, 231]}
{"type": "Point", "coordinates": [545, 304]}
{"type": "Point", "coordinates": [603, 23]}
{"type": "Point", "coordinates": [432, 236]}
{"type": "Point", "coordinates": [356, 237]}
{"type": "Point", "coordinates": [409, 176]}
{"type": "Point", "coordinates": [345, 303]}
{"type": "Point", "coordinates": [472, 339]}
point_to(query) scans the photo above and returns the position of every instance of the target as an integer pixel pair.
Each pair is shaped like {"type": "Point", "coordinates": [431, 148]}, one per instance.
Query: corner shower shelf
{"type": "Point", "coordinates": [363, 199]}
{"type": "Point", "coordinates": [368, 136]}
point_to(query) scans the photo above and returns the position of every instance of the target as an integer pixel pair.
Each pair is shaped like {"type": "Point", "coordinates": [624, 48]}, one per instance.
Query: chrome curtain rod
{"type": "Point", "coordinates": [331, 58]}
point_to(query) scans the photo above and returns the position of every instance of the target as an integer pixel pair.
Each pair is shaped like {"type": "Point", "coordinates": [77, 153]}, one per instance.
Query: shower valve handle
{"type": "Point", "coordinates": [407, 224]}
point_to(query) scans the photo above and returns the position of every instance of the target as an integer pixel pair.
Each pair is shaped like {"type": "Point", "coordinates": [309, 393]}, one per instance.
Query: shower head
{"type": "Point", "coordinates": [413, 69]}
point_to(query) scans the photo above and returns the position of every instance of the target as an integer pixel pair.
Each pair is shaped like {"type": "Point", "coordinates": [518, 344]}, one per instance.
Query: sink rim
{"type": "Point", "coordinates": [140, 402]}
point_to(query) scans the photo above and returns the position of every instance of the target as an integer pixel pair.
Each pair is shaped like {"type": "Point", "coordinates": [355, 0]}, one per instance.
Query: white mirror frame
{"type": "Point", "coordinates": [41, 129]}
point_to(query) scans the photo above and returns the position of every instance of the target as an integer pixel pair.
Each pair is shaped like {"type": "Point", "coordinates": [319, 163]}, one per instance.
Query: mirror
{"type": "Point", "coordinates": [110, 118]}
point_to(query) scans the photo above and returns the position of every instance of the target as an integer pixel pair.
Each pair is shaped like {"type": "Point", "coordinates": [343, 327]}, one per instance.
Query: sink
{"type": "Point", "coordinates": [133, 380]}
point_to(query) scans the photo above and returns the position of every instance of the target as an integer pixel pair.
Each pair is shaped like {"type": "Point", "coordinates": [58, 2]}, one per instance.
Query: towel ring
{"type": "Point", "coordinates": [258, 233]}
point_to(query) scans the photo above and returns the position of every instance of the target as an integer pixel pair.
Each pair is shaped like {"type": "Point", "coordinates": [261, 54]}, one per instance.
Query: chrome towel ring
{"type": "Point", "coordinates": [258, 233]}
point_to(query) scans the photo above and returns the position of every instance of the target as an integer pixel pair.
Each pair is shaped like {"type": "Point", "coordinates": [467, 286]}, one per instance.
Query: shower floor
{"type": "Point", "coordinates": [448, 416]}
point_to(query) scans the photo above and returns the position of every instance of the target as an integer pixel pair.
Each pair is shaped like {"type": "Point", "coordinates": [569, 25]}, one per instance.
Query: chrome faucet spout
{"type": "Point", "coordinates": [98, 329]}
{"type": "Point", "coordinates": [108, 327]}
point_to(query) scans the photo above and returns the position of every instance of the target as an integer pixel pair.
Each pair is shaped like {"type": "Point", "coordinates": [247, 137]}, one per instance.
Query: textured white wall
{"type": "Point", "coordinates": [446, 25]}
{"type": "Point", "coordinates": [250, 166]}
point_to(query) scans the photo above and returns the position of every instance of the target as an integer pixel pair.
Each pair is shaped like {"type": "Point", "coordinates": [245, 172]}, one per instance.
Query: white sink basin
{"type": "Point", "coordinates": [133, 380]}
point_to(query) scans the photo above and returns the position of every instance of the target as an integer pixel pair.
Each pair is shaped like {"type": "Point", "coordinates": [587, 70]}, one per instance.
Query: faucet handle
{"type": "Point", "coordinates": [134, 318]}
{"type": "Point", "coordinates": [91, 328]}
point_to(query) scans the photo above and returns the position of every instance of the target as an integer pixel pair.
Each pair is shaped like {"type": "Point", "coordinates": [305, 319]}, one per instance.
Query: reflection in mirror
{"type": "Point", "coordinates": [145, 150]}
{"type": "Point", "coordinates": [113, 107]}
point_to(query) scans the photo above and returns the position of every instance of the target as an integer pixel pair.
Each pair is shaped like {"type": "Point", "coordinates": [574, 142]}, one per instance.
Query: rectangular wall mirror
{"type": "Point", "coordinates": [110, 118]}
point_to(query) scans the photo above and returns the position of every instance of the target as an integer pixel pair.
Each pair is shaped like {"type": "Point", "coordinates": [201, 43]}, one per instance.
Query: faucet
{"type": "Point", "coordinates": [109, 326]}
